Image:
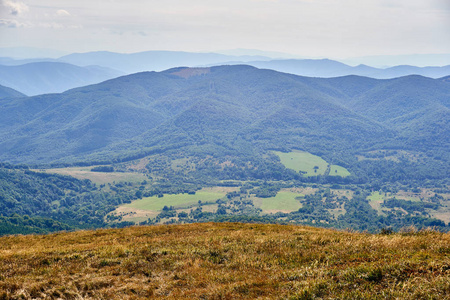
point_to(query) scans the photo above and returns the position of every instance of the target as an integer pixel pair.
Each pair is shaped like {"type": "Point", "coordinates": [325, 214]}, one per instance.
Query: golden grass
{"type": "Point", "coordinates": [225, 261]}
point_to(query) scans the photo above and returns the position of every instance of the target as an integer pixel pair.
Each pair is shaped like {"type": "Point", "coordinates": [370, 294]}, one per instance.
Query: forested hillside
{"type": "Point", "coordinates": [32, 202]}
{"type": "Point", "coordinates": [6, 92]}
{"type": "Point", "coordinates": [229, 143]}
{"type": "Point", "coordinates": [229, 109]}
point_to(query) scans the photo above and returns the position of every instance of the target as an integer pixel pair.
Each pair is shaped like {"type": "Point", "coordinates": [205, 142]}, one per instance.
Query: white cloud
{"type": "Point", "coordinates": [304, 27]}
{"type": "Point", "coordinates": [14, 7]}
{"type": "Point", "coordinates": [63, 13]}
{"type": "Point", "coordinates": [13, 24]}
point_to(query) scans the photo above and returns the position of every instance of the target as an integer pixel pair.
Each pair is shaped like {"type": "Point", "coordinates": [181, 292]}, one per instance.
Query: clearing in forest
{"type": "Point", "coordinates": [310, 164]}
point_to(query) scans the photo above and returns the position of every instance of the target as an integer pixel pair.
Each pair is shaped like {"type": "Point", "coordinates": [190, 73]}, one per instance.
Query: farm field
{"type": "Point", "coordinates": [284, 201]}
{"type": "Point", "coordinates": [225, 261]}
{"type": "Point", "coordinates": [336, 170]}
{"type": "Point", "coordinates": [312, 165]}
{"type": "Point", "coordinates": [156, 203]}
{"type": "Point", "coordinates": [303, 161]}
{"type": "Point", "coordinates": [97, 177]}
{"type": "Point", "coordinates": [375, 200]}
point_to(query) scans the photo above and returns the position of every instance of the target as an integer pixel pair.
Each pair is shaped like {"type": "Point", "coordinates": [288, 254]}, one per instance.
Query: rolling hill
{"type": "Point", "coordinates": [327, 68]}
{"type": "Point", "coordinates": [229, 110]}
{"type": "Point", "coordinates": [52, 77]}
{"type": "Point", "coordinates": [6, 92]}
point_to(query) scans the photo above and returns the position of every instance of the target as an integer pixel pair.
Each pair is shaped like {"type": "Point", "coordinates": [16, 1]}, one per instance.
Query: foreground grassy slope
{"type": "Point", "coordinates": [225, 261]}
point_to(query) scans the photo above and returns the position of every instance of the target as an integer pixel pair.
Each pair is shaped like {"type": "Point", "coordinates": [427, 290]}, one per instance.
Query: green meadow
{"type": "Point", "coordinates": [98, 177]}
{"type": "Point", "coordinates": [284, 201]}
{"type": "Point", "coordinates": [303, 161]}
{"type": "Point", "coordinates": [336, 170]}
{"type": "Point", "coordinates": [311, 164]}
{"type": "Point", "coordinates": [156, 203]}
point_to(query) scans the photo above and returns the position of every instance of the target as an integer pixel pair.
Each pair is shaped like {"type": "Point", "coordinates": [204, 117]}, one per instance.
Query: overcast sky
{"type": "Point", "coordinates": [309, 28]}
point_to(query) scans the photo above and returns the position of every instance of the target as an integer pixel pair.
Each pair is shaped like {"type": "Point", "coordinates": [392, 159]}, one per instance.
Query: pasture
{"type": "Point", "coordinates": [284, 201]}
{"type": "Point", "coordinates": [336, 170]}
{"type": "Point", "coordinates": [97, 177]}
{"type": "Point", "coordinates": [155, 203]}
{"type": "Point", "coordinates": [312, 165]}
{"type": "Point", "coordinates": [303, 161]}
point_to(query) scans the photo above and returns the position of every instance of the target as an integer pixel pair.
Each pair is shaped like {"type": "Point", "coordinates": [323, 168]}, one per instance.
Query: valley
{"type": "Point", "coordinates": [228, 143]}
{"type": "Point", "coordinates": [218, 150]}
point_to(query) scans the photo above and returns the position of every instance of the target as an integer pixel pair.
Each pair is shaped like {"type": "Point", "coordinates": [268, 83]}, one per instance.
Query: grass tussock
{"type": "Point", "coordinates": [225, 261]}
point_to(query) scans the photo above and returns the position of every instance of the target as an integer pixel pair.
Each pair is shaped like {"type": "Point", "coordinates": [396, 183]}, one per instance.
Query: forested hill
{"type": "Point", "coordinates": [32, 202]}
{"type": "Point", "coordinates": [228, 110]}
{"type": "Point", "coordinates": [6, 92]}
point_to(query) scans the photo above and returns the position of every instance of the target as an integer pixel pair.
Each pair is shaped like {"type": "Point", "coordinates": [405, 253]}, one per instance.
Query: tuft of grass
{"type": "Point", "coordinates": [225, 261]}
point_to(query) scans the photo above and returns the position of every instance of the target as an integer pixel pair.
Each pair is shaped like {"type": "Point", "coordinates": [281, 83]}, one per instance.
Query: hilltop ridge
{"type": "Point", "coordinates": [225, 260]}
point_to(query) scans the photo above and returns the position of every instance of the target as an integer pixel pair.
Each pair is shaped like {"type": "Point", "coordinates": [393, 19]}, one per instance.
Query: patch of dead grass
{"type": "Point", "coordinates": [225, 261]}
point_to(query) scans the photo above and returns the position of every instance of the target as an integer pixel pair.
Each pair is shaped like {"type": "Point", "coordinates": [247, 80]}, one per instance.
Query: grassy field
{"type": "Point", "coordinates": [98, 177]}
{"type": "Point", "coordinates": [225, 261]}
{"type": "Point", "coordinates": [376, 196]}
{"type": "Point", "coordinates": [336, 170]}
{"type": "Point", "coordinates": [284, 201]}
{"type": "Point", "coordinates": [303, 161]}
{"type": "Point", "coordinates": [177, 201]}
{"type": "Point", "coordinates": [375, 200]}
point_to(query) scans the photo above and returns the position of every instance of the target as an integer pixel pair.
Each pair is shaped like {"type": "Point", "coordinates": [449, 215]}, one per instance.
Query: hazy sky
{"type": "Point", "coordinates": [314, 28]}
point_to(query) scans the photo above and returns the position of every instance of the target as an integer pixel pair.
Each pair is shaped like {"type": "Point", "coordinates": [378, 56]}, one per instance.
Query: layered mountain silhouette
{"type": "Point", "coordinates": [6, 92]}
{"type": "Point", "coordinates": [327, 68]}
{"type": "Point", "coordinates": [42, 76]}
{"type": "Point", "coordinates": [226, 110]}
{"type": "Point", "coordinates": [52, 77]}
{"type": "Point", "coordinates": [161, 60]}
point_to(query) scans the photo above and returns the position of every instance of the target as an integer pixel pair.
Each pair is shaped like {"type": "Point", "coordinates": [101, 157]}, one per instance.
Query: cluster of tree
{"type": "Point", "coordinates": [51, 202]}
{"type": "Point", "coordinates": [356, 213]}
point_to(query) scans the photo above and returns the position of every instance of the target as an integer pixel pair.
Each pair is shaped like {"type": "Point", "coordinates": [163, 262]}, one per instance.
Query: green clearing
{"type": "Point", "coordinates": [177, 201]}
{"type": "Point", "coordinates": [375, 196]}
{"type": "Point", "coordinates": [375, 201]}
{"type": "Point", "coordinates": [303, 161]}
{"type": "Point", "coordinates": [282, 202]}
{"type": "Point", "coordinates": [98, 177]}
{"type": "Point", "coordinates": [336, 170]}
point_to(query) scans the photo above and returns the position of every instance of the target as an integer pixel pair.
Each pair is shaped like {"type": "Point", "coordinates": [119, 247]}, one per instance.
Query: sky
{"type": "Point", "coordinates": [307, 28]}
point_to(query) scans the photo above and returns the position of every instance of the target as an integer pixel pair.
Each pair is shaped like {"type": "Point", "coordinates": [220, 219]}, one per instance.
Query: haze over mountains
{"type": "Point", "coordinates": [34, 76]}
{"type": "Point", "coordinates": [52, 77]}
{"type": "Point", "coordinates": [233, 109]}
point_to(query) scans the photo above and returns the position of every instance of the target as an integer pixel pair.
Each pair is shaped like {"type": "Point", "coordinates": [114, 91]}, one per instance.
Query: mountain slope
{"type": "Point", "coordinates": [329, 68]}
{"type": "Point", "coordinates": [52, 77]}
{"type": "Point", "coordinates": [219, 106]}
{"type": "Point", "coordinates": [6, 92]}
{"type": "Point", "coordinates": [228, 110]}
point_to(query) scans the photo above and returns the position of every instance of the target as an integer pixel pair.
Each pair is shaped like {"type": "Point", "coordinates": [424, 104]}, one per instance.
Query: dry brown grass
{"type": "Point", "coordinates": [225, 261]}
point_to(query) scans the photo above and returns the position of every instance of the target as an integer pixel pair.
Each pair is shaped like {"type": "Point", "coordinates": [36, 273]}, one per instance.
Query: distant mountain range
{"type": "Point", "coordinates": [151, 60]}
{"type": "Point", "coordinates": [326, 68]}
{"type": "Point", "coordinates": [52, 77]}
{"type": "Point", "coordinates": [162, 60]}
{"type": "Point", "coordinates": [6, 92]}
{"type": "Point", "coordinates": [40, 75]}
{"type": "Point", "coordinates": [238, 110]}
